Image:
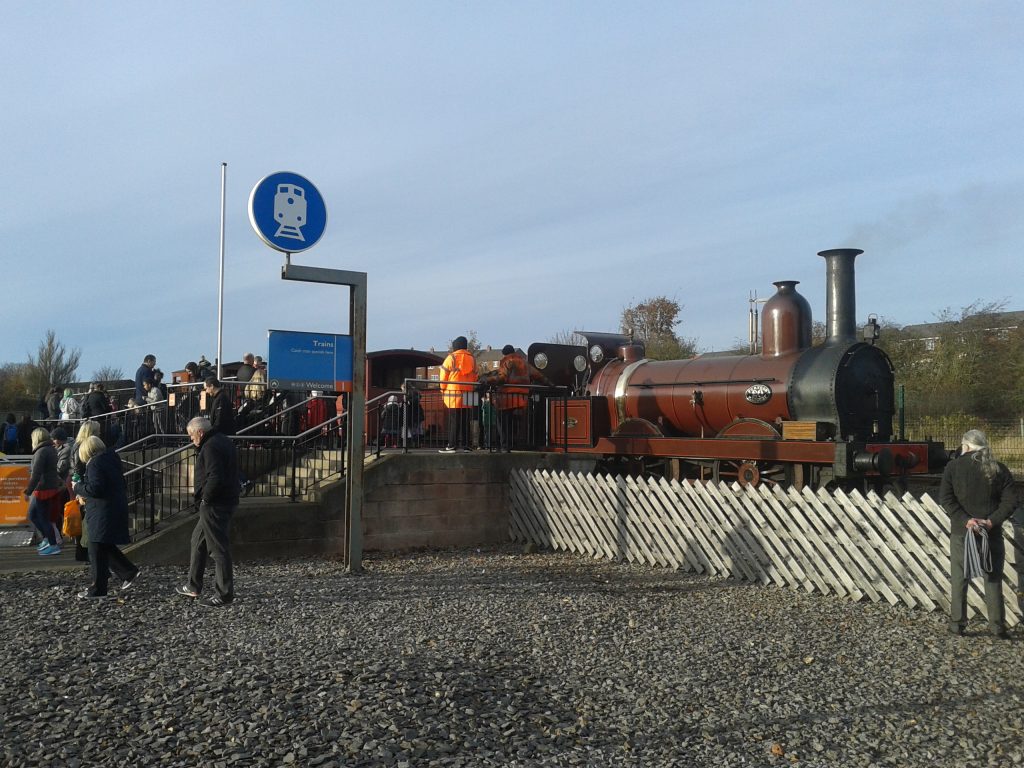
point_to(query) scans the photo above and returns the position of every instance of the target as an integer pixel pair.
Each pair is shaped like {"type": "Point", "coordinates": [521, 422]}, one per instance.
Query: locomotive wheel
{"type": "Point", "coordinates": [747, 473]}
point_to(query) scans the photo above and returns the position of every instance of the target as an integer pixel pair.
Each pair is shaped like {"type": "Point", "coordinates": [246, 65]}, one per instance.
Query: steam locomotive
{"type": "Point", "coordinates": [794, 413]}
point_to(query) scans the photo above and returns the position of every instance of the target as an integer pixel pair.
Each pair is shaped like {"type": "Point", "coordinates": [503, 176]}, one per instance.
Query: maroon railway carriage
{"type": "Point", "coordinates": [387, 370]}
{"type": "Point", "coordinates": [794, 413]}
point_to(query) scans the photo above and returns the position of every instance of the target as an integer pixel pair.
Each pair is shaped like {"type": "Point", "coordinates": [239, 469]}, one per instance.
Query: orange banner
{"type": "Point", "coordinates": [13, 502]}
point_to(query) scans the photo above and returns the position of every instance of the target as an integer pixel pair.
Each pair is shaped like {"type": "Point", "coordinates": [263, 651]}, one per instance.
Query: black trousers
{"type": "Point", "coordinates": [994, 605]}
{"type": "Point", "coordinates": [104, 558]}
{"type": "Point", "coordinates": [210, 540]}
{"type": "Point", "coordinates": [458, 427]}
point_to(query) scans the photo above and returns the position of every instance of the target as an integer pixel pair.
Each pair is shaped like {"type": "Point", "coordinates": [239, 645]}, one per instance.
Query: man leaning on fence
{"type": "Point", "coordinates": [978, 493]}
{"type": "Point", "coordinates": [216, 493]}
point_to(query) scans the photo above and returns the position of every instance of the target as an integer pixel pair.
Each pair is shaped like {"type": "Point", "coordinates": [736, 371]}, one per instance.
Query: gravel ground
{"type": "Point", "coordinates": [469, 658]}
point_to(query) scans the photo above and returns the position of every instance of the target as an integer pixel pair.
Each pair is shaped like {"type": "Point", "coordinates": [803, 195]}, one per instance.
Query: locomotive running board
{"type": "Point", "coordinates": [912, 458]}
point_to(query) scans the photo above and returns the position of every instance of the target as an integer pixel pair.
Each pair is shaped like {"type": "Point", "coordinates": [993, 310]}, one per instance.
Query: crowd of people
{"type": "Point", "coordinates": [89, 472]}
{"type": "Point", "coordinates": [977, 491]}
{"type": "Point", "coordinates": [498, 399]}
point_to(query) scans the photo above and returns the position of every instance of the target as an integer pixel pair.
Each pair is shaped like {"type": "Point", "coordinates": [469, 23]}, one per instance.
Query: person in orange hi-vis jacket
{"type": "Point", "coordinates": [458, 391]}
{"type": "Point", "coordinates": [511, 400]}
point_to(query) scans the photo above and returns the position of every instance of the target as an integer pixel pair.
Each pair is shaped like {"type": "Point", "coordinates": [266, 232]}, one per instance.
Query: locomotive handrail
{"type": "Point", "coordinates": [649, 385]}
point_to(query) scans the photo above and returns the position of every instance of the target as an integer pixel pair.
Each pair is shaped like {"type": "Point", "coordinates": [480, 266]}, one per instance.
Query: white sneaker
{"type": "Point", "coordinates": [127, 583]}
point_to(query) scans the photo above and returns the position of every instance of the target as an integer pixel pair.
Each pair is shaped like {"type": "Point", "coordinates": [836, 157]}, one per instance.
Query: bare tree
{"type": "Point", "coordinates": [568, 337]}
{"type": "Point", "coordinates": [654, 322]}
{"type": "Point", "coordinates": [53, 364]}
{"type": "Point", "coordinates": [819, 332]}
{"type": "Point", "coordinates": [108, 373]}
{"type": "Point", "coordinates": [473, 342]}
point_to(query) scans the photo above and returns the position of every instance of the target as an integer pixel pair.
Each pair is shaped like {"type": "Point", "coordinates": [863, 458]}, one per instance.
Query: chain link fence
{"type": "Point", "coordinates": [1005, 436]}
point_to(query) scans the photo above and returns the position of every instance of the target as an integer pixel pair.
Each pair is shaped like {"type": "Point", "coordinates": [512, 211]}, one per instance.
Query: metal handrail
{"type": "Point", "coordinates": [279, 413]}
{"type": "Point", "coordinates": [165, 456]}
{"type": "Point", "coordinates": [319, 427]}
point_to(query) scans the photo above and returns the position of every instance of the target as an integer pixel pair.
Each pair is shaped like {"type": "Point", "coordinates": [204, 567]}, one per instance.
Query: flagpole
{"type": "Point", "coordinates": [220, 298]}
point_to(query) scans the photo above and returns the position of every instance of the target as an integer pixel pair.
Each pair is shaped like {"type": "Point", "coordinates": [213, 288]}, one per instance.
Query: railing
{"type": "Point", "coordinates": [496, 417]}
{"type": "Point", "coordinates": [160, 469]}
{"type": "Point", "coordinates": [290, 450]}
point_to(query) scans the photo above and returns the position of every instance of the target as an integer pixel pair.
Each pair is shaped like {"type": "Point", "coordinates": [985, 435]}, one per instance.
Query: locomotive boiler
{"type": "Point", "coordinates": [795, 412]}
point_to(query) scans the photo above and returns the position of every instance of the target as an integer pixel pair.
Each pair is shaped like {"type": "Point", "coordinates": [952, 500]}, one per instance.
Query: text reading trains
{"type": "Point", "coordinates": [794, 413]}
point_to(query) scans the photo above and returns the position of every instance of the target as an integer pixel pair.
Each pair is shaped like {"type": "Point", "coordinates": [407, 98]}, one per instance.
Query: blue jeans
{"type": "Point", "coordinates": [39, 516]}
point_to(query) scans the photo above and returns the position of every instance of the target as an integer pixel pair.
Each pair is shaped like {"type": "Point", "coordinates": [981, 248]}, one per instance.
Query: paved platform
{"type": "Point", "coordinates": [18, 553]}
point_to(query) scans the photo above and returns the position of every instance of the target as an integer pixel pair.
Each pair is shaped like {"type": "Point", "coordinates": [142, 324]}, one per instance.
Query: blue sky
{"type": "Point", "coordinates": [517, 168]}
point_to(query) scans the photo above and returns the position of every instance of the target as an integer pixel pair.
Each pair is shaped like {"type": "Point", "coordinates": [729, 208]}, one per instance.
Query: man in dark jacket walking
{"type": "Point", "coordinates": [219, 407]}
{"type": "Point", "coordinates": [978, 494]}
{"type": "Point", "coordinates": [216, 493]}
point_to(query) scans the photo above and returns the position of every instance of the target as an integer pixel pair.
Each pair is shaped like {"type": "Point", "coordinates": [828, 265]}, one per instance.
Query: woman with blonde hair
{"type": "Point", "coordinates": [106, 515]}
{"type": "Point", "coordinates": [978, 494]}
{"type": "Point", "coordinates": [45, 510]}
{"type": "Point", "coordinates": [87, 429]}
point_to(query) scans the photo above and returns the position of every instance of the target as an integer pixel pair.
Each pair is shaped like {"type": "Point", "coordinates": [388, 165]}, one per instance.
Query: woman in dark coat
{"type": "Point", "coordinates": [978, 494]}
{"type": "Point", "coordinates": [45, 506]}
{"type": "Point", "coordinates": [106, 515]}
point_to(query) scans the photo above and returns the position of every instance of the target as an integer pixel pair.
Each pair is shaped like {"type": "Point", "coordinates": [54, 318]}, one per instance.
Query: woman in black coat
{"type": "Point", "coordinates": [45, 507]}
{"type": "Point", "coordinates": [978, 494]}
{"type": "Point", "coordinates": [106, 516]}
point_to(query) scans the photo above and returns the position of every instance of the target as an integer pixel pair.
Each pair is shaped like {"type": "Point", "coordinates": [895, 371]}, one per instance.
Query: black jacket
{"type": "Point", "coordinates": [216, 477]}
{"type": "Point", "coordinates": [106, 499]}
{"type": "Point", "coordinates": [966, 492]}
{"type": "Point", "coordinates": [222, 413]}
{"type": "Point", "coordinates": [145, 373]}
{"type": "Point", "coordinates": [245, 372]}
{"type": "Point", "coordinates": [44, 475]}
{"type": "Point", "coordinates": [96, 404]}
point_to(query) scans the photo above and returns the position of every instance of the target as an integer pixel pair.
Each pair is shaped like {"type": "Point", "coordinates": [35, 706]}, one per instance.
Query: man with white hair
{"type": "Point", "coordinates": [978, 493]}
{"type": "Point", "coordinates": [216, 492]}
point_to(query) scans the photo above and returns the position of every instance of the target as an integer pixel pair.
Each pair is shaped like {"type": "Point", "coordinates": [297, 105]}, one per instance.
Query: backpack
{"type": "Point", "coordinates": [11, 433]}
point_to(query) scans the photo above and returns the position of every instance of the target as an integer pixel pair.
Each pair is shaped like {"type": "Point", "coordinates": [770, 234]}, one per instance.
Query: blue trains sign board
{"type": "Point", "coordinates": [309, 361]}
{"type": "Point", "coordinates": [287, 212]}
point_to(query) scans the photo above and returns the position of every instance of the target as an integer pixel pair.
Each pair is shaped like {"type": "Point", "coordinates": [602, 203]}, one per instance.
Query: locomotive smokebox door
{"type": "Point", "coordinates": [577, 421]}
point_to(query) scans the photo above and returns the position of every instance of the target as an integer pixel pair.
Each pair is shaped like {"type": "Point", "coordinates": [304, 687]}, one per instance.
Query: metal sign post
{"type": "Point", "coordinates": [289, 214]}
{"type": "Point", "coordinates": [357, 400]}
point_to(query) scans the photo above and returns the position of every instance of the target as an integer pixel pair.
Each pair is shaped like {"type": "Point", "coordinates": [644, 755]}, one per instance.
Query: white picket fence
{"type": "Point", "coordinates": [887, 549]}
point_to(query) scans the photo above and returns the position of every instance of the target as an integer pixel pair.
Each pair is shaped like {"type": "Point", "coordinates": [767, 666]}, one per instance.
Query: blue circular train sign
{"type": "Point", "coordinates": [287, 212]}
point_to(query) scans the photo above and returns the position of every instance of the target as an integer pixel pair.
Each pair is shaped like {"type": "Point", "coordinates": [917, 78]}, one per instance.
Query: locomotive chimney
{"type": "Point", "coordinates": [787, 321]}
{"type": "Point", "coordinates": [841, 294]}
